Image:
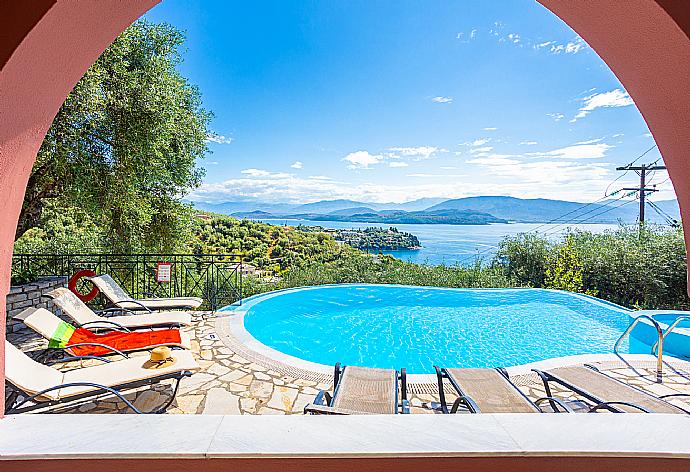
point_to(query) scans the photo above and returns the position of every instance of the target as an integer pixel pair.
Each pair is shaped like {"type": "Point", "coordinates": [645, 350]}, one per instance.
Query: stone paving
{"type": "Point", "coordinates": [230, 384]}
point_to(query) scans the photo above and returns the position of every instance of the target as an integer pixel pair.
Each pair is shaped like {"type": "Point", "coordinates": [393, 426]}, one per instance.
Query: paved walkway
{"type": "Point", "coordinates": [229, 383]}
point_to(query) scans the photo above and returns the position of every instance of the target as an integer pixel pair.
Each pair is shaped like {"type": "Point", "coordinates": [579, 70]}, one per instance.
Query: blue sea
{"type": "Point", "coordinates": [453, 244]}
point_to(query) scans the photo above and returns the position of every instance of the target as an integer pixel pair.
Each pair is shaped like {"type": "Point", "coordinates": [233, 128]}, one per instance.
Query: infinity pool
{"type": "Point", "coordinates": [394, 326]}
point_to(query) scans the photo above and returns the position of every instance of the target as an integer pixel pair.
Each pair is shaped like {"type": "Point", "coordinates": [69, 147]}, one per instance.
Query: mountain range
{"type": "Point", "coordinates": [469, 210]}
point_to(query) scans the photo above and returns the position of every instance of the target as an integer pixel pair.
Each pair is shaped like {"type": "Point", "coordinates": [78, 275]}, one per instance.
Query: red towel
{"type": "Point", "coordinates": [121, 341]}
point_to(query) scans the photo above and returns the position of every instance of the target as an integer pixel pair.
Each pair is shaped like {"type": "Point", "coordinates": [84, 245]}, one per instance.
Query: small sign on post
{"type": "Point", "coordinates": [163, 272]}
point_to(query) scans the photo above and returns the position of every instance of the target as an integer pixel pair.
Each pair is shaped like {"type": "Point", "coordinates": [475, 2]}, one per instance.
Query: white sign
{"type": "Point", "coordinates": [163, 272]}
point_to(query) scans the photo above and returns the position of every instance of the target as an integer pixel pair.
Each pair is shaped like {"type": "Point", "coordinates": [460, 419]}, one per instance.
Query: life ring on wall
{"type": "Point", "coordinates": [72, 285]}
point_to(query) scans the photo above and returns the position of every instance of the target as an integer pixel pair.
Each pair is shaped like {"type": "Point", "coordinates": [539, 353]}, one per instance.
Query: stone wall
{"type": "Point", "coordinates": [30, 295]}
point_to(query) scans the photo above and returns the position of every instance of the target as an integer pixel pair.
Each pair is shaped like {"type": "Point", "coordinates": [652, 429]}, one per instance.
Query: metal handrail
{"type": "Point", "coordinates": [670, 328]}
{"type": "Point", "coordinates": [660, 343]}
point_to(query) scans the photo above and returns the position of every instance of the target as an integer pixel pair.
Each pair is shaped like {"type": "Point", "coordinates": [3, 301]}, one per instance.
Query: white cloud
{"type": "Point", "coordinates": [480, 142]}
{"type": "Point", "coordinates": [218, 139]}
{"type": "Point", "coordinates": [529, 143]}
{"type": "Point", "coordinates": [473, 33]}
{"type": "Point", "coordinates": [362, 159]}
{"type": "Point", "coordinates": [482, 150]}
{"type": "Point", "coordinates": [514, 38]}
{"type": "Point", "coordinates": [263, 173]}
{"type": "Point", "coordinates": [556, 116]}
{"type": "Point", "coordinates": [490, 129]}
{"type": "Point", "coordinates": [441, 99]}
{"type": "Point", "coordinates": [571, 47]}
{"type": "Point", "coordinates": [612, 99]}
{"type": "Point", "coordinates": [397, 164]}
{"type": "Point", "coordinates": [420, 152]}
{"type": "Point", "coordinates": [297, 165]}
{"type": "Point", "coordinates": [213, 163]}
{"type": "Point", "coordinates": [576, 151]}
{"type": "Point", "coordinates": [591, 141]}
{"type": "Point", "coordinates": [543, 45]}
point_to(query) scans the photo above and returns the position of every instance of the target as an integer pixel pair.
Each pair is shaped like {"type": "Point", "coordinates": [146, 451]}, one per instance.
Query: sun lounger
{"type": "Point", "coordinates": [487, 391]}
{"type": "Point", "coordinates": [362, 391]}
{"type": "Point", "coordinates": [121, 299]}
{"type": "Point", "coordinates": [71, 306]}
{"type": "Point", "coordinates": [43, 386]}
{"type": "Point", "coordinates": [605, 392]}
{"type": "Point", "coordinates": [82, 342]}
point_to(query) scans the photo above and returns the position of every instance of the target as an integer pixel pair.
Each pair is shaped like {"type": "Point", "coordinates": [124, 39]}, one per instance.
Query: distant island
{"type": "Point", "coordinates": [448, 217]}
{"type": "Point", "coordinates": [379, 239]}
{"type": "Point", "coordinates": [461, 211]}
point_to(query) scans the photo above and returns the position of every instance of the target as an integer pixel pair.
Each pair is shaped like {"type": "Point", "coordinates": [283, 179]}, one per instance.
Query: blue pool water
{"type": "Point", "coordinates": [394, 326]}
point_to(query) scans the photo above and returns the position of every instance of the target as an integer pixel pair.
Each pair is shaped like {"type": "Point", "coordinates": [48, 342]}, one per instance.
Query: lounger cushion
{"type": "Point", "coordinates": [607, 389]}
{"type": "Point", "coordinates": [124, 371]}
{"type": "Point", "coordinates": [28, 375]}
{"type": "Point", "coordinates": [118, 297]}
{"type": "Point", "coordinates": [161, 303]}
{"type": "Point", "coordinates": [80, 313]}
{"type": "Point", "coordinates": [367, 390]}
{"type": "Point", "coordinates": [491, 391]}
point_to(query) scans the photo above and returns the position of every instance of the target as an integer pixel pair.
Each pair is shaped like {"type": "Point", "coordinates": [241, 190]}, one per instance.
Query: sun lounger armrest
{"type": "Point", "coordinates": [313, 409]}
{"type": "Point", "coordinates": [468, 402]}
{"type": "Point", "coordinates": [79, 358]}
{"type": "Point", "coordinates": [403, 383]}
{"type": "Point", "coordinates": [674, 395]}
{"type": "Point", "coordinates": [609, 405]}
{"type": "Point", "coordinates": [110, 348]}
{"type": "Point", "coordinates": [553, 400]}
{"type": "Point", "coordinates": [322, 398]}
{"type": "Point", "coordinates": [98, 387]}
{"type": "Point", "coordinates": [114, 309]}
{"type": "Point", "coordinates": [442, 395]}
{"type": "Point", "coordinates": [95, 324]}
{"type": "Point", "coordinates": [136, 302]}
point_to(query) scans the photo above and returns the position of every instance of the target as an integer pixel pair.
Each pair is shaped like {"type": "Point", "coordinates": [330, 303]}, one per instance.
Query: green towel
{"type": "Point", "coordinates": [61, 336]}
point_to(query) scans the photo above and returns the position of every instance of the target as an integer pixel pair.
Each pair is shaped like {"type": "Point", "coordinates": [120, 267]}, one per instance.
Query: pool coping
{"type": "Point", "coordinates": [231, 329]}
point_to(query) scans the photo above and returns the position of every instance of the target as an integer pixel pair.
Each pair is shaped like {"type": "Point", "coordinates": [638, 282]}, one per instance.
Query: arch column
{"type": "Point", "coordinates": [646, 43]}
{"type": "Point", "coordinates": [47, 46]}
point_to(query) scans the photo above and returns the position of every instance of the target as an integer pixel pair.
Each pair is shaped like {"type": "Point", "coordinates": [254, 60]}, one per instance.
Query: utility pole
{"type": "Point", "coordinates": [642, 189]}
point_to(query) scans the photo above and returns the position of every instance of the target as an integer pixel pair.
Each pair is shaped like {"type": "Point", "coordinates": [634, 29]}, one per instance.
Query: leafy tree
{"type": "Point", "coordinates": [565, 270]}
{"type": "Point", "coordinates": [124, 145]}
{"type": "Point", "coordinates": [525, 258]}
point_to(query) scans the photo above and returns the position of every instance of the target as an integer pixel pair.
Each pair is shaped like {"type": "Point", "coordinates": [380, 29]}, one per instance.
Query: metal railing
{"type": "Point", "coordinates": [217, 278]}
{"type": "Point", "coordinates": [660, 343]}
{"type": "Point", "coordinates": [670, 328]}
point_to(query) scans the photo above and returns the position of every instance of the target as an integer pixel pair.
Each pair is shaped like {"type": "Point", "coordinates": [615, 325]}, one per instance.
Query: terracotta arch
{"type": "Point", "coordinates": [47, 45]}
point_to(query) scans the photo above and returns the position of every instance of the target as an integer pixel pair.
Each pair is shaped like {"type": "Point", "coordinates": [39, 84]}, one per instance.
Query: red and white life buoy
{"type": "Point", "coordinates": [72, 285]}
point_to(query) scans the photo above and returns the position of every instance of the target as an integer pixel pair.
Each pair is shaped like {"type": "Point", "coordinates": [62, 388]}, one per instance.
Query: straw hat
{"type": "Point", "coordinates": [160, 357]}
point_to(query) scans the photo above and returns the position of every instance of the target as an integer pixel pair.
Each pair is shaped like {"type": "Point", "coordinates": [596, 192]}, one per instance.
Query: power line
{"type": "Point", "coordinates": [628, 165]}
{"type": "Point", "coordinates": [576, 221]}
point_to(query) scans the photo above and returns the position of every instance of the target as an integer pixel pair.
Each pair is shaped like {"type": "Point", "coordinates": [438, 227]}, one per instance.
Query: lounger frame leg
{"type": "Point", "coordinates": [15, 408]}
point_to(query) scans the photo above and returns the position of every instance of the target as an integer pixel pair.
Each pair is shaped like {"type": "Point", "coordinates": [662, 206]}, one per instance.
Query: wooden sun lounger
{"type": "Point", "coordinates": [364, 391]}
{"type": "Point", "coordinates": [606, 392]}
{"type": "Point", "coordinates": [121, 299]}
{"type": "Point", "coordinates": [84, 316]}
{"type": "Point", "coordinates": [487, 391]}
{"type": "Point", "coordinates": [43, 386]}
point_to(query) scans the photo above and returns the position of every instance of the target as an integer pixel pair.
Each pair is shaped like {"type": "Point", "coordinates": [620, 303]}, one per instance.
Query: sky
{"type": "Point", "coordinates": [391, 101]}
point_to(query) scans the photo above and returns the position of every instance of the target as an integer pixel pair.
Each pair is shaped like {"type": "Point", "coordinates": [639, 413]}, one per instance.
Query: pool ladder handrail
{"type": "Point", "coordinates": [670, 328]}
{"type": "Point", "coordinates": [659, 343]}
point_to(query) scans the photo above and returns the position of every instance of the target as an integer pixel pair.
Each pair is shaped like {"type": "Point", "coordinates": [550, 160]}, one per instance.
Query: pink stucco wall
{"type": "Point", "coordinates": [47, 45]}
